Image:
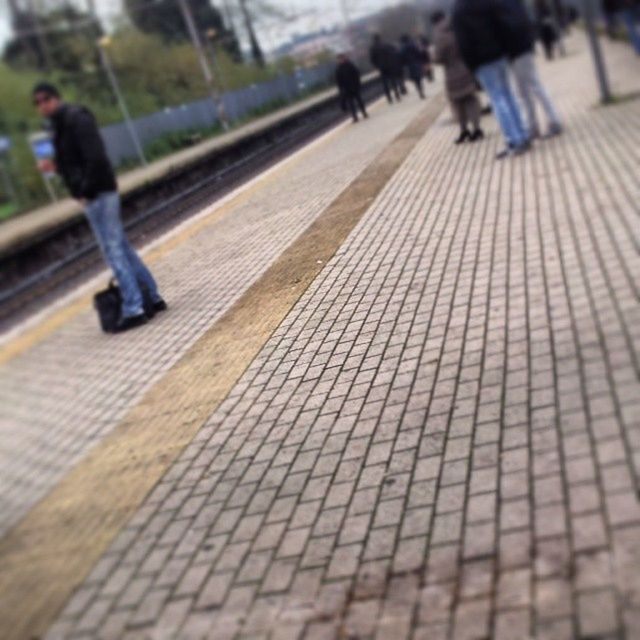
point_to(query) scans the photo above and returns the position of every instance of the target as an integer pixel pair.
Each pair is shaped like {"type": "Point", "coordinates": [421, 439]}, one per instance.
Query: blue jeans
{"type": "Point", "coordinates": [494, 78]}
{"type": "Point", "coordinates": [134, 278]}
{"type": "Point", "coordinates": [630, 18]}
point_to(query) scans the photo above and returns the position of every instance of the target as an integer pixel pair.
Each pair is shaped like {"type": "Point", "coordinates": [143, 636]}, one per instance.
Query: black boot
{"type": "Point", "coordinates": [463, 137]}
{"type": "Point", "coordinates": [478, 134]}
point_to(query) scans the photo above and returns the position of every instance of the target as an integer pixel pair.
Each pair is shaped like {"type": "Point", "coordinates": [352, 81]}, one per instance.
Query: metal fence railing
{"type": "Point", "coordinates": [202, 114]}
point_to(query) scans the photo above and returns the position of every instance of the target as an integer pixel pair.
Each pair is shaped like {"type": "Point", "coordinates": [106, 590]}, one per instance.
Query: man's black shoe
{"type": "Point", "coordinates": [131, 322]}
{"type": "Point", "coordinates": [523, 148]}
{"type": "Point", "coordinates": [159, 306]}
{"type": "Point", "coordinates": [463, 137]}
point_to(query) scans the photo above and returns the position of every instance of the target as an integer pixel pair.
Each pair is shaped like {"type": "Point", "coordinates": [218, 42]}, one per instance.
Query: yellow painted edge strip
{"type": "Point", "coordinates": [49, 553]}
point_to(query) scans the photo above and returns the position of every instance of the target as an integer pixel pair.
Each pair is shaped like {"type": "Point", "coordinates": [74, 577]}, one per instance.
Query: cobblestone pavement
{"type": "Point", "coordinates": [442, 439]}
{"type": "Point", "coordinates": [63, 396]}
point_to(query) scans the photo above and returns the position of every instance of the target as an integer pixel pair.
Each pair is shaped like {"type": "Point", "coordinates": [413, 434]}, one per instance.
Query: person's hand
{"type": "Point", "coordinates": [82, 202]}
{"type": "Point", "coordinates": [47, 165]}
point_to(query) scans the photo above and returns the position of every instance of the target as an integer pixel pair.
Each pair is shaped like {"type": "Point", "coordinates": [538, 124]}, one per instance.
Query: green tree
{"type": "Point", "coordinates": [164, 18]}
{"type": "Point", "coordinates": [62, 39]}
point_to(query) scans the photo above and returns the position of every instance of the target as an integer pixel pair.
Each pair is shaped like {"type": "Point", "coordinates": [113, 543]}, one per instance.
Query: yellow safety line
{"type": "Point", "coordinates": [51, 551]}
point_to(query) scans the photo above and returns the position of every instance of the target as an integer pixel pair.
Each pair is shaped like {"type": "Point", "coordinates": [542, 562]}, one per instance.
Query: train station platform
{"type": "Point", "coordinates": [396, 395]}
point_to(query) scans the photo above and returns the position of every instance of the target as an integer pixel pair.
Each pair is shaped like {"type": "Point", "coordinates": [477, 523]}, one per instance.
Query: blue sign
{"type": "Point", "coordinates": [43, 149]}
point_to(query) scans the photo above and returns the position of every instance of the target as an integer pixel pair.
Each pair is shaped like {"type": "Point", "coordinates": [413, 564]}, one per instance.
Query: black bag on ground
{"type": "Point", "coordinates": [108, 305]}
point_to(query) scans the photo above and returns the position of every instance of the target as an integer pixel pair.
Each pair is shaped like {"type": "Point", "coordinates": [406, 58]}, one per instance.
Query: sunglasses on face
{"type": "Point", "coordinates": [43, 100]}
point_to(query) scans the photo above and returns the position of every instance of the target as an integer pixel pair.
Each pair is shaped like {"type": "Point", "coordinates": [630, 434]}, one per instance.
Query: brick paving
{"type": "Point", "coordinates": [442, 439]}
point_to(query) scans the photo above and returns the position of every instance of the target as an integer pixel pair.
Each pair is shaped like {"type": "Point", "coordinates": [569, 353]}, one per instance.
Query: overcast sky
{"type": "Point", "coordinates": [314, 14]}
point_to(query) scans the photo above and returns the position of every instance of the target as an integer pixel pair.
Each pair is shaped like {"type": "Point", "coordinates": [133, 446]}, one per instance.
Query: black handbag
{"type": "Point", "coordinates": [108, 305]}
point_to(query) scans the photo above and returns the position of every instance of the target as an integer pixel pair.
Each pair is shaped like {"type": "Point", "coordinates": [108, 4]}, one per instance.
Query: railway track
{"type": "Point", "coordinates": [48, 266]}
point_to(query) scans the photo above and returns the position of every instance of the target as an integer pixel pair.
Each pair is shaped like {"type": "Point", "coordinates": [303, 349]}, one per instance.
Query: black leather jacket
{"type": "Point", "coordinates": [480, 31]}
{"type": "Point", "coordinates": [81, 157]}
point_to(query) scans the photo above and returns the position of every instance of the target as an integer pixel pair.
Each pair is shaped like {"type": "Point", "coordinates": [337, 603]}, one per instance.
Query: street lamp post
{"type": "Point", "coordinates": [103, 43]}
{"type": "Point", "coordinates": [596, 52]}
{"type": "Point", "coordinates": [212, 37]}
{"type": "Point", "coordinates": [346, 17]}
{"type": "Point", "coordinates": [206, 70]}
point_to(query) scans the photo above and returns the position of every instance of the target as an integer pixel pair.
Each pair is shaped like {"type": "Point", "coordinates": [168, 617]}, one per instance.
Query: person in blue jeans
{"type": "Point", "coordinates": [82, 162]}
{"type": "Point", "coordinates": [482, 31]}
{"type": "Point", "coordinates": [626, 12]}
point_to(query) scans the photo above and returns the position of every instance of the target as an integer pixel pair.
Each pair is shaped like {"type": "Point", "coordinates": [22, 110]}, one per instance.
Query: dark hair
{"type": "Point", "coordinates": [47, 88]}
{"type": "Point", "coordinates": [437, 16]}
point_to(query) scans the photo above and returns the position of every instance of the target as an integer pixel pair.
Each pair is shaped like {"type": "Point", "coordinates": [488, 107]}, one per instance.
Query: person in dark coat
{"type": "Point", "coordinates": [547, 29]}
{"type": "Point", "coordinates": [459, 81]}
{"type": "Point", "coordinates": [82, 162]}
{"type": "Point", "coordinates": [520, 43]}
{"type": "Point", "coordinates": [386, 59]}
{"type": "Point", "coordinates": [481, 33]}
{"type": "Point", "coordinates": [628, 13]}
{"type": "Point", "coordinates": [350, 87]}
{"type": "Point", "coordinates": [413, 61]}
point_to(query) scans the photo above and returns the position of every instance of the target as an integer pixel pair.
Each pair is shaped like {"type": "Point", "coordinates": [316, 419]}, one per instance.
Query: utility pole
{"type": "Point", "coordinates": [588, 12]}
{"type": "Point", "coordinates": [256, 49]}
{"type": "Point", "coordinates": [15, 13]}
{"type": "Point", "coordinates": [346, 18]}
{"type": "Point", "coordinates": [185, 8]}
{"type": "Point", "coordinates": [103, 44]}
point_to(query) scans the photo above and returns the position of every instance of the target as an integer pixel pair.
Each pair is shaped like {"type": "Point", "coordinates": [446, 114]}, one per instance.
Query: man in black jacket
{"type": "Point", "coordinates": [350, 87]}
{"type": "Point", "coordinates": [482, 33]}
{"type": "Point", "coordinates": [82, 162]}
{"type": "Point", "coordinates": [413, 60]}
{"type": "Point", "coordinates": [386, 59]}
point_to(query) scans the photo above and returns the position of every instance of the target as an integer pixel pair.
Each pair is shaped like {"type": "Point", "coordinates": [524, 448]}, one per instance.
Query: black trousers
{"type": "Point", "coordinates": [391, 86]}
{"type": "Point", "coordinates": [353, 102]}
{"type": "Point", "coordinates": [419, 85]}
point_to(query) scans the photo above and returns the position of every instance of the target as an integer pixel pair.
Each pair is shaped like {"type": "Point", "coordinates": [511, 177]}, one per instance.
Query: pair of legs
{"type": "Point", "coordinates": [418, 82]}
{"type": "Point", "coordinates": [531, 90]}
{"type": "Point", "coordinates": [494, 78]}
{"type": "Point", "coordinates": [549, 47]}
{"type": "Point", "coordinates": [354, 102]}
{"type": "Point", "coordinates": [467, 112]}
{"type": "Point", "coordinates": [391, 86]}
{"type": "Point", "coordinates": [631, 20]}
{"type": "Point", "coordinates": [135, 280]}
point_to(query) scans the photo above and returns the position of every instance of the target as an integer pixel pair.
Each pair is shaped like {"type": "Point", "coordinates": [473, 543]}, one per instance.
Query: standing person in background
{"type": "Point", "coordinates": [426, 57]}
{"type": "Point", "coordinates": [626, 12]}
{"type": "Point", "coordinates": [547, 29]}
{"type": "Point", "coordinates": [385, 58]}
{"type": "Point", "coordinates": [413, 62]}
{"type": "Point", "coordinates": [350, 87]}
{"type": "Point", "coordinates": [82, 162]}
{"type": "Point", "coordinates": [480, 29]}
{"type": "Point", "coordinates": [459, 81]}
{"type": "Point", "coordinates": [520, 42]}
